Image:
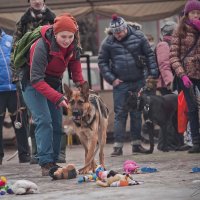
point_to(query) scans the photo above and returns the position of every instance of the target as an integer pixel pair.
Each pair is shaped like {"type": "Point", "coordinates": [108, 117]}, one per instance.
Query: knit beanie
{"type": "Point", "coordinates": [65, 22]}
{"type": "Point", "coordinates": [117, 24]}
{"type": "Point", "coordinates": [168, 28]}
{"type": "Point", "coordinates": [191, 5]}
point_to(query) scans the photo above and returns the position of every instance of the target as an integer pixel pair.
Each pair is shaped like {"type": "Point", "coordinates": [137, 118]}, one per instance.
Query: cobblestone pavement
{"type": "Point", "coordinates": [172, 181]}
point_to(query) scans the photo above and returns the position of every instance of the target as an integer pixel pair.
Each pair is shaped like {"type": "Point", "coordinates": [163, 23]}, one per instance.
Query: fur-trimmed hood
{"type": "Point", "coordinates": [48, 15]}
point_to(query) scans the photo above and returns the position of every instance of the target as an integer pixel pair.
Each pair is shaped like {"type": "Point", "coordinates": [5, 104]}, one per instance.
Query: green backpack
{"type": "Point", "coordinates": [22, 47]}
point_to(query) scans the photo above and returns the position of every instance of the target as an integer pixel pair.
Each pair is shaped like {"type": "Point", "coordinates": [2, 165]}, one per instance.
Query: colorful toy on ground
{"type": "Point", "coordinates": [148, 170]}
{"type": "Point", "coordinates": [4, 186]}
{"type": "Point", "coordinates": [68, 172]}
{"type": "Point", "coordinates": [101, 173]}
{"type": "Point", "coordinates": [130, 167]}
{"type": "Point", "coordinates": [115, 179]}
{"type": "Point", "coordinates": [24, 187]}
{"type": "Point", "coordinates": [88, 178]}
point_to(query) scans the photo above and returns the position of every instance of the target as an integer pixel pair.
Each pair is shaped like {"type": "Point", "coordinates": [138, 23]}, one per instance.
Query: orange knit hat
{"type": "Point", "coordinates": [65, 22]}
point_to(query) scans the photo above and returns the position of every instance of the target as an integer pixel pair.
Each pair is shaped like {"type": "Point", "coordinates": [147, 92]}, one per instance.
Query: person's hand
{"type": "Point", "coordinates": [170, 86]}
{"type": "Point", "coordinates": [196, 23]}
{"type": "Point", "coordinates": [186, 81]}
{"type": "Point", "coordinates": [64, 103]}
{"type": "Point", "coordinates": [116, 82]}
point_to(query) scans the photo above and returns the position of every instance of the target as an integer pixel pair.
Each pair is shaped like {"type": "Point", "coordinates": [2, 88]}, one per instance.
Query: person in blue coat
{"type": "Point", "coordinates": [118, 60]}
{"type": "Point", "coordinates": [9, 101]}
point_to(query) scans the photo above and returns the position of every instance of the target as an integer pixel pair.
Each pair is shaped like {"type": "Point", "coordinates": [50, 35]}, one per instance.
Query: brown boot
{"type": "Point", "coordinates": [46, 167]}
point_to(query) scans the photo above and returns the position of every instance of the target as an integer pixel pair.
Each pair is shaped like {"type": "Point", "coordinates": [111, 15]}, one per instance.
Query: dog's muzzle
{"type": "Point", "coordinates": [77, 114]}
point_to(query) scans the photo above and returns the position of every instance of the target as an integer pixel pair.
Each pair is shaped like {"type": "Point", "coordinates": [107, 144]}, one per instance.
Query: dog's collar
{"type": "Point", "coordinates": [88, 119]}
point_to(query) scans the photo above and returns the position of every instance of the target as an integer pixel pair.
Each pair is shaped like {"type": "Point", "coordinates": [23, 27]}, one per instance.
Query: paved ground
{"type": "Point", "coordinates": [173, 181]}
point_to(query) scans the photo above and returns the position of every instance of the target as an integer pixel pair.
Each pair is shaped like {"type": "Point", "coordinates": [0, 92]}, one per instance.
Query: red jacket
{"type": "Point", "coordinates": [41, 65]}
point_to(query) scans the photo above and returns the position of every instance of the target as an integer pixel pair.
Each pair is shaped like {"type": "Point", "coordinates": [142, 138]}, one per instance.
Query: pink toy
{"type": "Point", "coordinates": [130, 166]}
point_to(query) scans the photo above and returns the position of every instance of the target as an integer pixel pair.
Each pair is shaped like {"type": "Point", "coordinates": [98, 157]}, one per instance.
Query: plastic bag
{"type": "Point", "coordinates": [182, 113]}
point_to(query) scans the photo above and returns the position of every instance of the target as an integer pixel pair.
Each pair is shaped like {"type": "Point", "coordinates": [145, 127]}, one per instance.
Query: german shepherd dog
{"type": "Point", "coordinates": [160, 110]}
{"type": "Point", "coordinates": [90, 120]}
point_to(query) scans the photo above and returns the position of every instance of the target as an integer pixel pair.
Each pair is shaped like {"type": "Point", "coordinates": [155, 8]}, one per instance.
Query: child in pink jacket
{"type": "Point", "coordinates": [162, 52]}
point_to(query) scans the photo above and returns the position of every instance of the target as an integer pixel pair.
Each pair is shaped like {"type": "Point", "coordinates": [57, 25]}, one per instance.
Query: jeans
{"type": "Point", "coordinates": [48, 121]}
{"type": "Point", "coordinates": [120, 94]}
{"type": "Point", "coordinates": [8, 100]}
{"type": "Point", "coordinates": [193, 115]}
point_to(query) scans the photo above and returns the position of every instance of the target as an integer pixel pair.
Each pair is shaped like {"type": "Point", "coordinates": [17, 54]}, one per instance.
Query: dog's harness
{"type": "Point", "coordinates": [146, 108]}
{"type": "Point", "coordinates": [146, 105]}
{"type": "Point", "coordinates": [87, 120]}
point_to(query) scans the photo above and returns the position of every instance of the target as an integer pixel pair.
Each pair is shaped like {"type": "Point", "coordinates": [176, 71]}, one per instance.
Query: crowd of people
{"type": "Point", "coordinates": [34, 95]}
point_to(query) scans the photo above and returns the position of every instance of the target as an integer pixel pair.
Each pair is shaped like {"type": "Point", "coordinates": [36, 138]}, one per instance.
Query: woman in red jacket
{"type": "Point", "coordinates": [56, 50]}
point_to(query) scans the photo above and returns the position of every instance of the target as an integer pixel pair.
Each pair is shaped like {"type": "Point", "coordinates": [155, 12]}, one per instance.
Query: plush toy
{"type": "Point", "coordinates": [115, 179]}
{"type": "Point", "coordinates": [4, 187]}
{"type": "Point", "coordinates": [88, 178]}
{"type": "Point", "coordinates": [68, 172]}
{"type": "Point", "coordinates": [130, 166]}
{"type": "Point", "coordinates": [24, 187]}
{"type": "Point", "coordinates": [101, 173]}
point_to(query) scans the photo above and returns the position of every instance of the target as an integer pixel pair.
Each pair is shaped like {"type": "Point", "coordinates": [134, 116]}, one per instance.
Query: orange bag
{"type": "Point", "coordinates": [182, 113]}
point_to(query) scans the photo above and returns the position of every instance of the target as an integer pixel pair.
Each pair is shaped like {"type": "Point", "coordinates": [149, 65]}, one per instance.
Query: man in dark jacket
{"type": "Point", "coordinates": [117, 62]}
{"type": "Point", "coordinates": [38, 14]}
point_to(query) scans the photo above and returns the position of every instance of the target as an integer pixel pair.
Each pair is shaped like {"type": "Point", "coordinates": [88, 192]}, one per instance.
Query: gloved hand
{"type": "Point", "coordinates": [196, 23]}
{"type": "Point", "coordinates": [186, 81]}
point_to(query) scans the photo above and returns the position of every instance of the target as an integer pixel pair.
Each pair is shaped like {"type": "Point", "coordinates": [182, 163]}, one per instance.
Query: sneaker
{"type": "Point", "coordinates": [195, 149]}
{"type": "Point", "coordinates": [117, 151]}
{"type": "Point", "coordinates": [139, 149]}
{"type": "Point", "coordinates": [46, 167]}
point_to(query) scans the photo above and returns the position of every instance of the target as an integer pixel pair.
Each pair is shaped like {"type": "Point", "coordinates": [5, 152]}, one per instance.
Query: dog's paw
{"type": "Point", "coordinates": [86, 170]}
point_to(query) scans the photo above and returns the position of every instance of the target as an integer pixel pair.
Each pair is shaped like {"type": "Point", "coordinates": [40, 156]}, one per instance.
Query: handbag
{"type": "Point", "coordinates": [182, 113]}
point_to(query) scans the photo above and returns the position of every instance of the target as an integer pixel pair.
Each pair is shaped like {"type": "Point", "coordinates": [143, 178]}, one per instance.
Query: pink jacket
{"type": "Point", "coordinates": [166, 75]}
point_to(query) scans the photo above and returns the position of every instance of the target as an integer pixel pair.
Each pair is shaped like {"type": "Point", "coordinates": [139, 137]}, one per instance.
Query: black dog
{"type": "Point", "coordinates": [160, 110]}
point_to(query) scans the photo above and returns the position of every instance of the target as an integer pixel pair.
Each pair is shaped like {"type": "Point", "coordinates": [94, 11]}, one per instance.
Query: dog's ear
{"type": "Point", "coordinates": [85, 90]}
{"type": "Point", "coordinates": [68, 91]}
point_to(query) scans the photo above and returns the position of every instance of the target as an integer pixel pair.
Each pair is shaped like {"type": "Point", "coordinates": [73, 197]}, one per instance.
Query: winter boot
{"type": "Point", "coordinates": [195, 149]}
{"type": "Point", "coordinates": [139, 149]}
{"type": "Point", "coordinates": [117, 152]}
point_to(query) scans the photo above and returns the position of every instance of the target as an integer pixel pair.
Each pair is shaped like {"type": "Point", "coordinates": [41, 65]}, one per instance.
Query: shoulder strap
{"type": "Point", "coordinates": [191, 48]}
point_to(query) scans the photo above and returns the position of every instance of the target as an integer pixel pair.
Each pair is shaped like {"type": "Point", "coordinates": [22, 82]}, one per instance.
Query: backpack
{"type": "Point", "coordinates": [21, 50]}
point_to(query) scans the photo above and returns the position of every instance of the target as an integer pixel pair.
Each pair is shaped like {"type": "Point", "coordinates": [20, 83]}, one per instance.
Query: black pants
{"type": "Point", "coordinates": [8, 100]}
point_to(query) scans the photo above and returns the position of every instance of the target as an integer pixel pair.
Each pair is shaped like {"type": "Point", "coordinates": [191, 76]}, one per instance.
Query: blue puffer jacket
{"type": "Point", "coordinates": [5, 70]}
{"type": "Point", "coordinates": [115, 61]}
